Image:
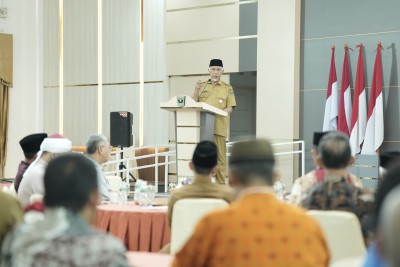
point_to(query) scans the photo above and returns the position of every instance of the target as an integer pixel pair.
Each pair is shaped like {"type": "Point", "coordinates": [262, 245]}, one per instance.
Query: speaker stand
{"type": "Point", "coordinates": [123, 167]}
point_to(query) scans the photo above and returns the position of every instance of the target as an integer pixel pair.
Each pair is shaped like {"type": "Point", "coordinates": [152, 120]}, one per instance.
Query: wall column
{"type": "Point", "coordinates": [278, 72]}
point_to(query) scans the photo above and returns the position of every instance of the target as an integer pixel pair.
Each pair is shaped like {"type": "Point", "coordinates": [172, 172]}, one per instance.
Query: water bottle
{"type": "Point", "coordinates": [143, 195]}
{"type": "Point", "coordinates": [137, 190]}
{"type": "Point", "coordinates": [123, 194]}
{"type": "Point", "coordinates": [279, 189]}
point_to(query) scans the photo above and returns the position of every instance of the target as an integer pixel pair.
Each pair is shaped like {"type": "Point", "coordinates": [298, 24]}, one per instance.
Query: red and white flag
{"type": "Point", "coordinates": [359, 114]}
{"type": "Point", "coordinates": [374, 132]}
{"type": "Point", "coordinates": [344, 117]}
{"type": "Point", "coordinates": [331, 104]}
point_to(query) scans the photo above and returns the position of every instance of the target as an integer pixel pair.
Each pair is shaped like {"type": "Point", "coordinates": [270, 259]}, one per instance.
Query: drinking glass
{"type": "Point", "coordinates": [151, 191]}
{"type": "Point", "coordinates": [144, 200]}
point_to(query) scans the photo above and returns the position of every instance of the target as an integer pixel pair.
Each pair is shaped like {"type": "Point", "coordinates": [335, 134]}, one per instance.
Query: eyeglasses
{"type": "Point", "coordinates": [109, 147]}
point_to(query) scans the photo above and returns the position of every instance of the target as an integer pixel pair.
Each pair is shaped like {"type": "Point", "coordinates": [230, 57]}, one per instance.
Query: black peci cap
{"type": "Point", "coordinates": [205, 155]}
{"type": "Point", "coordinates": [216, 63]}
{"type": "Point", "coordinates": [32, 142]}
{"type": "Point", "coordinates": [388, 158]}
{"type": "Point", "coordinates": [318, 136]}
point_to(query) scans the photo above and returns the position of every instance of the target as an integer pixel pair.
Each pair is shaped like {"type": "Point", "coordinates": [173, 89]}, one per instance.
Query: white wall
{"type": "Point", "coordinates": [26, 95]}
{"type": "Point", "coordinates": [278, 72]}
{"type": "Point", "coordinates": [26, 98]}
{"type": "Point", "coordinates": [193, 38]}
{"type": "Point", "coordinates": [84, 108]}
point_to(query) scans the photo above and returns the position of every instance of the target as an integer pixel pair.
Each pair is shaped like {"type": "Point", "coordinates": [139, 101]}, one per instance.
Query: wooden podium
{"type": "Point", "coordinates": [194, 122]}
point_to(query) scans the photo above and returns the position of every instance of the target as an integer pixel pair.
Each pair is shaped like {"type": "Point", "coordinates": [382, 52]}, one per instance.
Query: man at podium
{"type": "Point", "coordinates": [220, 95]}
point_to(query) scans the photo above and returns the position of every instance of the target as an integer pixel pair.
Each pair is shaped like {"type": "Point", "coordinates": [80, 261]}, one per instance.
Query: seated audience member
{"type": "Point", "coordinates": [10, 214]}
{"type": "Point", "coordinates": [386, 159]}
{"type": "Point", "coordinates": [30, 145]}
{"type": "Point", "coordinates": [391, 181]}
{"type": "Point", "coordinates": [335, 191]}
{"type": "Point", "coordinates": [32, 182]}
{"type": "Point", "coordinates": [257, 229]}
{"type": "Point", "coordinates": [204, 166]}
{"type": "Point", "coordinates": [389, 221]}
{"type": "Point", "coordinates": [64, 237]}
{"type": "Point", "coordinates": [98, 150]}
{"type": "Point", "coordinates": [302, 185]}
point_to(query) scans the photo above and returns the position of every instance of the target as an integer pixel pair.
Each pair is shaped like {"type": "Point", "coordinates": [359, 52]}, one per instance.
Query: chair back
{"type": "Point", "coordinates": [115, 182]}
{"type": "Point", "coordinates": [10, 190]}
{"type": "Point", "coordinates": [185, 216]}
{"type": "Point", "coordinates": [342, 232]}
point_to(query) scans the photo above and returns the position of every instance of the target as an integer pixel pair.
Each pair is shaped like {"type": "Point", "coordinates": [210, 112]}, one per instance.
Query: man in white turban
{"type": "Point", "coordinates": [32, 182]}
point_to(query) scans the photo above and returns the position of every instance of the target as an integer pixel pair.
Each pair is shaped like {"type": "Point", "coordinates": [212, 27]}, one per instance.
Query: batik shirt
{"type": "Point", "coordinates": [302, 185]}
{"type": "Point", "coordinates": [61, 239]}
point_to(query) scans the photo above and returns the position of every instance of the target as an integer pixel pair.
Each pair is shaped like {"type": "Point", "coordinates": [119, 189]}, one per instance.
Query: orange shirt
{"type": "Point", "coordinates": [257, 230]}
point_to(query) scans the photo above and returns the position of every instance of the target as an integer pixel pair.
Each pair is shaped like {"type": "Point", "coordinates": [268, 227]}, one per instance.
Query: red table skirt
{"type": "Point", "coordinates": [139, 229]}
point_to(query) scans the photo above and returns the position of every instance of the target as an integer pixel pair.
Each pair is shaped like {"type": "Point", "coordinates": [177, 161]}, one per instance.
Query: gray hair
{"type": "Point", "coordinates": [389, 226]}
{"type": "Point", "coordinates": [334, 150]}
{"type": "Point", "coordinates": [93, 143]}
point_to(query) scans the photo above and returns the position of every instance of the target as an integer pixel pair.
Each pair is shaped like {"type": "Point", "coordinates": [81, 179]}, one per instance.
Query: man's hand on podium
{"type": "Point", "coordinates": [228, 109]}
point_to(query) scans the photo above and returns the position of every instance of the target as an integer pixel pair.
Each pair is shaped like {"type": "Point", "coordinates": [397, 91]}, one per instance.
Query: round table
{"type": "Point", "coordinates": [145, 259]}
{"type": "Point", "coordinates": [140, 229]}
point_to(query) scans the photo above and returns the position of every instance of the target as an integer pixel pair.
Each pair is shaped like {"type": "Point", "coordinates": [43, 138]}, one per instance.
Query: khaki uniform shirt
{"type": "Point", "coordinates": [11, 213]}
{"type": "Point", "coordinates": [200, 188]}
{"type": "Point", "coordinates": [221, 96]}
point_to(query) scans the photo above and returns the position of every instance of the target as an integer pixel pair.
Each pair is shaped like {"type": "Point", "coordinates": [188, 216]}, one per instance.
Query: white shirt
{"type": "Point", "coordinates": [102, 182]}
{"type": "Point", "coordinates": [32, 182]}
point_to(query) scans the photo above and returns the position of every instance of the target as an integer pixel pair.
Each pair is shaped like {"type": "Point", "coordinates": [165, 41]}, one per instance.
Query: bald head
{"type": "Point", "coordinates": [334, 150]}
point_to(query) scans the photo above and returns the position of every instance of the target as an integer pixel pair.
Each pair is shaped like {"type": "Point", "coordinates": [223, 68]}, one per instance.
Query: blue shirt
{"type": "Point", "coordinates": [373, 259]}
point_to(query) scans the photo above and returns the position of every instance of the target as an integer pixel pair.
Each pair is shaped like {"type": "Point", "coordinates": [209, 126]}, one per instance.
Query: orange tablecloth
{"type": "Point", "coordinates": [138, 228]}
{"type": "Point", "coordinates": [145, 259]}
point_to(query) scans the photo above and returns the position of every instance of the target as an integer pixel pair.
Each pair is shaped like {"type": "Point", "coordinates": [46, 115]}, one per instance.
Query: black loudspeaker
{"type": "Point", "coordinates": [121, 128]}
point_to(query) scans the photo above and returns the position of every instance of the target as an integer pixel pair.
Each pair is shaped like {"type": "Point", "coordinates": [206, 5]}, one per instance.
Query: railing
{"type": "Point", "coordinates": [290, 152]}
{"type": "Point", "coordinates": [126, 162]}
{"type": "Point", "coordinates": [171, 154]}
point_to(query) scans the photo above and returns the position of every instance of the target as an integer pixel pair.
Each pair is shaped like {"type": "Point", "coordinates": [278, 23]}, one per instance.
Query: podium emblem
{"type": "Point", "coordinates": [180, 101]}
